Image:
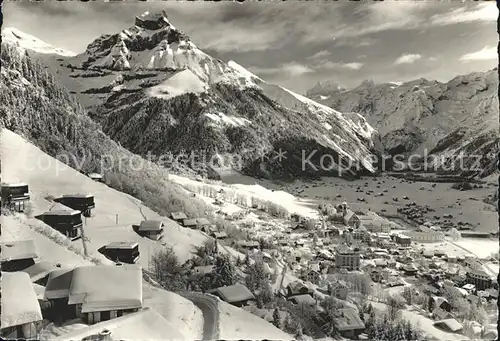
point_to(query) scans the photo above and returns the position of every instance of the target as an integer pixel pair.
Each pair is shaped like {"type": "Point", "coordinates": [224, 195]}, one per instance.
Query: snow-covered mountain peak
{"type": "Point", "coordinates": [153, 43]}
{"type": "Point", "coordinates": [152, 21]}
{"type": "Point", "coordinates": [28, 42]}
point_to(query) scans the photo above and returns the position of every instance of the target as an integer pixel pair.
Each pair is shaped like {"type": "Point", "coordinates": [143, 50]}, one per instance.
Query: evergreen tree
{"type": "Point", "coordinates": [277, 319]}
{"type": "Point", "coordinates": [257, 276]}
{"type": "Point", "coordinates": [224, 272]}
{"type": "Point", "coordinates": [430, 304]}
{"type": "Point", "coordinates": [258, 302]}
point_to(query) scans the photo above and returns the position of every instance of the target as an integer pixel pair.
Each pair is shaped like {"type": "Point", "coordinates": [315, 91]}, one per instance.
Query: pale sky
{"type": "Point", "coordinates": [296, 44]}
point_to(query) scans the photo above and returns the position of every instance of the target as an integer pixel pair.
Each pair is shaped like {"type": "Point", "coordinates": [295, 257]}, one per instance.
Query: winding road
{"type": "Point", "coordinates": [208, 305]}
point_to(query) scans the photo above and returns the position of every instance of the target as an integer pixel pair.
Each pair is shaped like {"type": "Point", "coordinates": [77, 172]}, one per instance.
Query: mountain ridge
{"type": "Point", "coordinates": [423, 116]}
{"type": "Point", "coordinates": [152, 90]}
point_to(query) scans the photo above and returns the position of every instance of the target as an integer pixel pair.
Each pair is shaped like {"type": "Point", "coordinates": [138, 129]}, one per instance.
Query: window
{"type": "Point", "coordinates": [105, 315]}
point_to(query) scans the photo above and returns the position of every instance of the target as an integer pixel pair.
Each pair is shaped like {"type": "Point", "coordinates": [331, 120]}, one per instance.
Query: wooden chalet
{"type": "Point", "coordinates": [18, 255]}
{"type": "Point", "coordinates": [178, 217]}
{"type": "Point", "coordinates": [15, 196]}
{"type": "Point", "coordinates": [21, 313]}
{"type": "Point", "coordinates": [152, 229]}
{"type": "Point", "coordinates": [94, 293]}
{"type": "Point", "coordinates": [68, 222]}
{"type": "Point", "coordinates": [123, 252]}
{"type": "Point", "coordinates": [237, 294]}
{"type": "Point", "coordinates": [81, 202]}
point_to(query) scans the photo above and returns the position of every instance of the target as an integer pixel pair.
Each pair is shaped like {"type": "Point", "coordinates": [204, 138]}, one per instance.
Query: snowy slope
{"type": "Point", "coordinates": [48, 177]}
{"type": "Point", "coordinates": [29, 42]}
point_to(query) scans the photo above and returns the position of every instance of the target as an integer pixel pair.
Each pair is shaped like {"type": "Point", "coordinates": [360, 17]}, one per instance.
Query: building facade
{"type": "Point", "coordinates": [346, 258]}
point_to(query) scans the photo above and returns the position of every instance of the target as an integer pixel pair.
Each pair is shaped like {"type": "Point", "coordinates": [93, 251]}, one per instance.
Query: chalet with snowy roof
{"type": "Point", "coordinates": [441, 314]}
{"type": "Point", "coordinates": [248, 244]}
{"type": "Point", "coordinates": [39, 272]}
{"type": "Point", "coordinates": [441, 302]}
{"type": "Point", "coordinates": [18, 255]}
{"type": "Point", "coordinates": [122, 252]}
{"type": "Point", "coordinates": [80, 202]}
{"type": "Point", "coordinates": [178, 217]}
{"type": "Point", "coordinates": [95, 293]}
{"type": "Point", "coordinates": [190, 223]}
{"type": "Point", "coordinates": [410, 270]}
{"type": "Point", "coordinates": [304, 299]}
{"type": "Point", "coordinates": [21, 311]}
{"type": "Point", "coordinates": [298, 288]}
{"type": "Point", "coordinates": [203, 270]}
{"type": "Point", "coordinates": [348, 323]}
{"type": "Point", "coordinates": [449, 325]}
{"type": "Point", "coordinates": [152, 229]}
{"type": "Point", "coordinates": [339, 289]}
{"type": "Point", "coordinates": [96, 177]}
{"type": "Point", "coordinates": [237, 294]}
{"type": "Point", "coordinates": [67, 222]}
{"type": "Point", "coordinates": [15, 195]}
{"type": "Point", "coordinates": [218, 234]}
{"type": "Point", "coordinates": [479, 278]}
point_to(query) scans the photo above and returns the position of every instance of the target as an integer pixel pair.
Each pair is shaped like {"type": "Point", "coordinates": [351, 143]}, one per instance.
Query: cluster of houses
{"type": "Point", "coordinates": [202, 224]}
{"type": "Point", "coordinates": [39, 290]}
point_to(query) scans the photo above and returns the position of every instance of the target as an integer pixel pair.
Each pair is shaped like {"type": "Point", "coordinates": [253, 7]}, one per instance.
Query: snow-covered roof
{"type": "Point", "coordinates": [105, 287]}
{"type": "Point", "coordinates": [39, 270]}
{"type": "Point", "coordinates": [94, 175]}
{"type": "Point", "coordinates": [121, 245]}
{"type": "Point", "coordinates": [19, 300]}
{"type": "Point", "coordinates": [304, 299]}
{"type": "Point", "coordinates": [348, 319]}
{"type": "Point", "coordinates": [451, 324]}
{"type": "Point", "coordinates": [178, 215]}
{"type": "Point", "coordinates": [150, 225]}
{"type": "Point", "coordinates": [19, 249]}
{"type": "Point", "coordinates": [18, 184]}
{"type": "Point", "coordinates": [203, 221]}
{"type": "Point", "coordinates": [62, 212]}
{"type": "Point", "coordinates": [234, 293]}
{"type": "Point", "coordinates": [146, 324]}
{"type": "Point", "coordinates": [58, 284]}
{"type": "Point", "coordinates": [77, 195]}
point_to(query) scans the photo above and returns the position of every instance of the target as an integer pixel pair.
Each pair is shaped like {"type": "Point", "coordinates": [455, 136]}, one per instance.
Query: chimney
{"type": "Point", "coordinates": [105, 335]}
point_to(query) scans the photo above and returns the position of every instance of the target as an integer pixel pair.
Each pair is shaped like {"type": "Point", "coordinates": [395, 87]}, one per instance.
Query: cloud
{"type": "Point", "coordinates": [480, 12]}
{"type": "Point", "coordinates": [290, 69]}
{"type": "Point", "coordinates": [408, 58]}
{"type": "Point", "coordinates": [486, 53]}
{"type": "Point", "coordinates": [320, 54]}
{"type": "Point", "coordinates": [339, 66]}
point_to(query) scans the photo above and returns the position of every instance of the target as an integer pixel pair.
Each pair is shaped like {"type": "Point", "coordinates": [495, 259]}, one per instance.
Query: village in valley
{"type": "Point", "coordinates": [331, 269]}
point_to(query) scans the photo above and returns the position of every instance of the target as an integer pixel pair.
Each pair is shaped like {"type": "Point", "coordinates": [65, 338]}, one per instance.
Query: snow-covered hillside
{"type": "Point", "coordinates": [29, 42]}
{"type": "Point", "coordinates": [48, 177]}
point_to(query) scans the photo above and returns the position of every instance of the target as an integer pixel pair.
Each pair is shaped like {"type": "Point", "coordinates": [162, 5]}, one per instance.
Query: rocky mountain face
{"type": "Point", "coordinates": [443, 120]}
{"type": "Point", "coordinates": [154, 92]}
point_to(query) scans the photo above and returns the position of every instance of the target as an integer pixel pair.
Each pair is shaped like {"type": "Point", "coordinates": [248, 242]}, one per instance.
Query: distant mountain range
{"type": "Point", "coordinates": [418, 116]}
{"type": "Point", "coordinates": [154, 91]}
